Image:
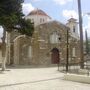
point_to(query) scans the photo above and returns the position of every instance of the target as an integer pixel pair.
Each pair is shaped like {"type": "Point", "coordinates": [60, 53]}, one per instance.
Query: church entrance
{"type": "Point", "coordinates": [55, 56]}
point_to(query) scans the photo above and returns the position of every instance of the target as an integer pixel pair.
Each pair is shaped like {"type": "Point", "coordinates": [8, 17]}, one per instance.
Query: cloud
{"type": "Point", "coordinates": [70, 13]}
{"type": "Point", "coordinates": [27, 7]}
{"type": "Point", "coordinates": [62, 2]}
{"type": "Point", "coordinates": [88, 18]}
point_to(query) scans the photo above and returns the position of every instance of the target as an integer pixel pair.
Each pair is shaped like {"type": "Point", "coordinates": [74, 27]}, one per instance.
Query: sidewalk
{"type": "Point", "coordinates": [37, 79]}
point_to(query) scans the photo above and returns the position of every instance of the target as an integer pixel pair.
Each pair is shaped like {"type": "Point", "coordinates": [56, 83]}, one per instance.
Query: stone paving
{"type": "Point", "coordinates": [37, 79]}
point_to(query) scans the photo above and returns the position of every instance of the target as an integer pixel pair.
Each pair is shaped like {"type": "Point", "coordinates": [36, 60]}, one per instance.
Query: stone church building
{"type": "Point", "coordinates": [48, 45]}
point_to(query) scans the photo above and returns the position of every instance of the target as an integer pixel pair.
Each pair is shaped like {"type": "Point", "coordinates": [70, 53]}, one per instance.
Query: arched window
{"type": "Point", "coordinates": [40, 20]}
{"type": "Point", "coordinates": [54, 38]}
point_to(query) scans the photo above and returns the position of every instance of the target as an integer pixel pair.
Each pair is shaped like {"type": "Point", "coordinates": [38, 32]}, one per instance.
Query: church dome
{"type": "Point", "coordinates": [38, 12]}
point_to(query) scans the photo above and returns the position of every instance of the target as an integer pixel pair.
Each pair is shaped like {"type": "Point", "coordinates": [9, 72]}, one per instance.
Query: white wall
{"type": "Point", "coordinates": [73, 34]}
{"type": "Point", "coordinates": [37, 19]}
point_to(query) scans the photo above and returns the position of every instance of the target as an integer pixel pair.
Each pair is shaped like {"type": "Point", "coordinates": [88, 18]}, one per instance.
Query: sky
{"type": "Point", "coordinates": [60, 10]}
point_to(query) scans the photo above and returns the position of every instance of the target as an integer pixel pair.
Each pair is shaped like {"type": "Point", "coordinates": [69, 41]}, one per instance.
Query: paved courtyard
{"type": "Point", "coordinates": [37, 79]}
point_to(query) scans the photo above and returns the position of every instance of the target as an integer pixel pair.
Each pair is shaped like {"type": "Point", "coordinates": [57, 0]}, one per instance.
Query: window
{"type": "Point", "coordinates": [73, 28]}
{"type": "Point", "coordinates": [29, 51]}
{"type": "Point", "coordinates": [40, 20]}
{"type": "Point", "coordinates": [73, 52]}
{"type": "Point", "coordinates": [43, 20]}
{"type": "Point", "coordinates": [32, 20]}
{"type": "Point", "coordinates": [54, 37]}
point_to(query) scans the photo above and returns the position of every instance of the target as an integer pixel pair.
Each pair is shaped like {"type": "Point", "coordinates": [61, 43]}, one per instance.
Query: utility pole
{"type": "Point", "coordinates": [67, 52]}
{"type": "Point", "coordinates": [81, 35]}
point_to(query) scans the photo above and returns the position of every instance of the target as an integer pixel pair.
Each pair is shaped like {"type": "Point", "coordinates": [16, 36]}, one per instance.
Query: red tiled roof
{"type": "Point", "coordinates": [38, 12]}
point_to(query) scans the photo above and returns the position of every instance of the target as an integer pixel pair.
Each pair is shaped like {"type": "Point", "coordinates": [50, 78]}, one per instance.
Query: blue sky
{"type": "Point", "coordinates": [60, 10]}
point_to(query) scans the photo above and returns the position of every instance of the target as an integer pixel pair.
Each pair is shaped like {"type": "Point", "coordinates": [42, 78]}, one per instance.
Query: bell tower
{"type": "Point", "coordinates": [73, 25]}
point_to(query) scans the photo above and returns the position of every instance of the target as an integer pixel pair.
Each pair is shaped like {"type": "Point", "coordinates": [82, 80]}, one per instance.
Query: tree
{"type": "Point", "coordinates": [10, 13]}
{"type": "Point", "coordinates": [12, 18]}
{"type": "Point", "coordinates": [87, 43]}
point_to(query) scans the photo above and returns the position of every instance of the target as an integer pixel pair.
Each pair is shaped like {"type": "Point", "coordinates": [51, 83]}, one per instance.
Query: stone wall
{"type": "Point", "coordinates": [37, 49]}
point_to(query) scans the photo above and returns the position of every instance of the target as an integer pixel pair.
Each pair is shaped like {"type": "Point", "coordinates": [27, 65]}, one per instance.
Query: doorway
{"type": "Point", "coordinates": [55, 56]}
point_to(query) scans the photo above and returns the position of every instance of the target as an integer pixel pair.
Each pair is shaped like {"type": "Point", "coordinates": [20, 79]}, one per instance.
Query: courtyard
{"type": "Point", "coordinates": [31, 78]}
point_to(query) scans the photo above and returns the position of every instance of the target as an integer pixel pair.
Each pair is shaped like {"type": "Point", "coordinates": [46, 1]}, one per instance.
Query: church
{"type": "Point", "coordinates": [48, 45]}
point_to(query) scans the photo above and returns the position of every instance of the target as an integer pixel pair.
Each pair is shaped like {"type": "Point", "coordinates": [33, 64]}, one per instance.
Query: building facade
{"type": "Point", "coordinates": [48, 45]}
